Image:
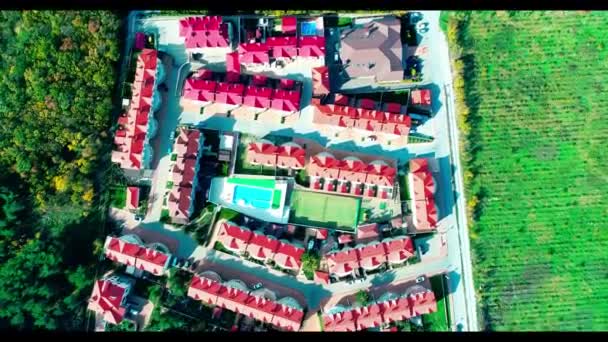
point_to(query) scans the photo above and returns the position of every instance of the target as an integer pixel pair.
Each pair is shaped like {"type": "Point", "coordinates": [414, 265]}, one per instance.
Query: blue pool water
{"type": "Point", "coordinates": [308, 28]}
{"type": "Point", "coordinates": [256, 197]}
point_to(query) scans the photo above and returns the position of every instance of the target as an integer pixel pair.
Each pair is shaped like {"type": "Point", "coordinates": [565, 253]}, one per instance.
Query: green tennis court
{"type": "Point", "coordinates": [323, 210]}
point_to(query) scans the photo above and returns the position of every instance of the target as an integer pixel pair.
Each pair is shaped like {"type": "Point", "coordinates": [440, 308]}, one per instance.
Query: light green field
{"type": "Point", "coordinates": [325, 211]}
{"type": "Point", "coordinates": [538, 154]}
{"type": "Point", "coordinates": [262, 183]}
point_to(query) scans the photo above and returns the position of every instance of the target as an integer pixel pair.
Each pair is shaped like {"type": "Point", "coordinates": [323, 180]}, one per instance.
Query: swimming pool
{"type": "Point", "coordinates": [256, 197]}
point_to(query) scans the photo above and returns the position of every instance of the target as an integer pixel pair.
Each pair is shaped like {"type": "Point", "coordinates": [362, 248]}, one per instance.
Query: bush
{"type": "Point", "coordinates": [363, 298]}
{"type": "Point", "coordinates": [310, 263]}
{"type": "Point", "coordinates": [164, 216]}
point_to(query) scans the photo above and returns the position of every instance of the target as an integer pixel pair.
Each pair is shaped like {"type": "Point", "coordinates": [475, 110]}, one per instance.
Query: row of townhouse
{"type": "Point", "coordinates": [256, 91]}
{"type": "Point", "coordinates": [261, 304]}
{"type": "Point", "coordinates": [184, 174]}
{"type": "Point", "coordinates": [369, 257]}
{"type": "Point", "coordinates": [351, 176]}
{"type": "Point", "coordinates": [389, 308]}
{"type": "Point", "coordinates": [286, 156]}
{"type": "Point", "coordinates": [261, 247]}
{"type": "Point", "coordinates": [137, 126]}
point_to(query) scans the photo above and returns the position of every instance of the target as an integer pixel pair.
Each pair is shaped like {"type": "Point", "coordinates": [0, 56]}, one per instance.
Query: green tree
{"type": "Point", "coordinates": [178, 282]}
{"type": "Point", "coordinates": [363, 298]}
{"type": "Point", "coordinates": [310, 263]}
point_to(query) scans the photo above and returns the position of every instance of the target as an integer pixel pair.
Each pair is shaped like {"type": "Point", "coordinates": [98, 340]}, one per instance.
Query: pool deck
{"type": "Point", "coordinates": [221, 193]}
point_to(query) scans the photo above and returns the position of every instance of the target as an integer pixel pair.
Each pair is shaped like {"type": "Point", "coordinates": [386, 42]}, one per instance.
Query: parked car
{"type": "Point", "coordinates": [186, 265]}
{"type": "Point", "coordinates": [420, 279]}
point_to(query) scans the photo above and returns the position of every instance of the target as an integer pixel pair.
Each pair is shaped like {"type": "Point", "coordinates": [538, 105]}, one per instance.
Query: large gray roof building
{"type": "Point", "coordinates": [373, 50]}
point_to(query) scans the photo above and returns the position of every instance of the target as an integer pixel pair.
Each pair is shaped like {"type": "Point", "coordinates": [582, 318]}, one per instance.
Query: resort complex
{"type": "Point", "coordinates": [265, 191]}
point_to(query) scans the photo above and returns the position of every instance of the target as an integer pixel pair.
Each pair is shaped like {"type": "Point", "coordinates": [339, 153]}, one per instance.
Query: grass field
{"type": "Point", "coordinates": [326, 211]}
{"type": "Point", "coordinates": [537, 165]}
{"type": "Point", "coordinates": [262, 183]}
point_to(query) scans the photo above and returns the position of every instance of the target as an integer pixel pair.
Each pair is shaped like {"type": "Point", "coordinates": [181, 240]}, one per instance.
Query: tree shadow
{"type": "Point", "coordinates": [383, 278]}
{"type": "Point", "coordinates": [445, 193]}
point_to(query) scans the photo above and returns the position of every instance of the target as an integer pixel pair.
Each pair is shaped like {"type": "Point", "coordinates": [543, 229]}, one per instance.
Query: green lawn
{"type": "Point", "coordinates": [536, 170]}
{"type": "Point", "coordinates": [227, 214]}
{"type": "Point", "coordinates": [323, 210]}
{"type": "Point", "coordinates": [262, 183]}
{"type": "Point", "coordinates": [276, 199]}
{"type": "Point", "coordinates": [438, 321]}
{"type": "Point", "coordinates": [119, 197]}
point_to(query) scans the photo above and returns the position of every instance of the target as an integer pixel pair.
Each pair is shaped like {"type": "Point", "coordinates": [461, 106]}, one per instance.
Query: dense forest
{"type": "Point", "coordinates": [57, 80]}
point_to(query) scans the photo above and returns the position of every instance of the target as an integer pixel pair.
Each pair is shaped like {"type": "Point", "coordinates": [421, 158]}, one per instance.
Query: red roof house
{"type": "Point", "coordinates": [342, 321]}
{"type": "Point", "coordinates": [368, 231]}
{"type": "Point", "coordinates": [353, 170]}
{"type": "Point", "coordinates": [396, 310]}
{"type": "Point", "coordinates": [232, 62]}
{"type": "Point", "coordinates": [204, 32]}
{"type": "Point", "coordinates": [229, 93]}
{"type": "Point", "coordinates": [421, 97]}
{"type": "Point", "coordinates": [204, 289]}
{"type": "Point", "coordinates": [289, 256]}
{"type": "Point", "coordinates": [233, 237]}
{"type": "Point", "coordinates": [342, 263]}
{"type": "Point", "coordinates": [287, 317]}
{"type": "Point", "coordinates": [258, 97]}
{"type": "Point", "coordinates": [291, 155]}
{"type": "Point", "coordinates": [285, 100]}
{"type": "Point", "coordinates": [262, 247]}
{"type": "Point", "coordinates": [108, 298]}
{"type": "Point", "coordinates": [283, 47]}
{"type": "Point", "coordinates": [369, 317]}
{"type": "Point", "coordinates": [262, 153]}
{"type": "Point", "coordinates": [152, 261]}
{"type": "Point", "coordinates": [380, 174]}
{"type": "Point", "coordinates": [371, 256]}
{"type": "Point", "coordinates": [321, 277]}
{"type": "Point", "coordinates": [132, 197]}
{"type": "Point", "coordinates": [311, 46]}
{"type": "Point", "coordinates": [399, 250]}
{"type": "Point", "coordinates": [320, 81]}
{"type": "Point", "coordinates": [323, 165]}
{"type": "Point", "coordinates": [288, 25]}
{"type": "Point", "coordinates": [258, 308]}
{"type": "Point", "coordinates": [425, 211]}
{"type": "Point", "coordinates": [253, 53]}
{"type": "Point", "coordinates": [423, 303]}
{"type": "Point", "coordinates": [231, 298]}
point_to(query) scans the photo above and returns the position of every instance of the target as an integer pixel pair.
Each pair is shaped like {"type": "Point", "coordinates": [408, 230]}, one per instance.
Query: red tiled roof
{"type": "Point", "coordinates": [233, 237]}
{"type": "Point", "coordinates": [320, 80]}
{"type": "Point", "coordinates": [259, 80]}
{"type": "Point", "coordinates": [371, 256]}
{"type": "Point", "coordinates": [285, 100]}
{"type": "Point", "coordinates": [291, 156]}
{"type": "Point", "coordinates": [204, 289]}
{"type": "Point", "coordinates": [258, 97]}
{"type": "Point", "coordinates": [321, 234]}
{"type": "Point", "coordinates": [396, 310]}
{"type": "Point", "coordinates": [423, 187]}
{"type": "Point", "coordinates": [289, 256]}
{"type": "Point", "coordinates": [131, 254]}
{"type": "Point", "coordinates": [343, 262]}
{"type": "Point", "coordinates": [367, 231]}
{"type": "Point", "coordinates": [421, 97]}
{"type": "Point", "coordinates": [202, 32]}
{"type": "Point", "coordinates": [288, 25]}
{"type": "Point", "coordinates": [343, 321]}
{"type": "Point", "coordinates": [232, 62]}
{"type": "Point", "coordinates": [367, 104]}
{"type": "Point", "coordinates": [393, 107]}
{"type": "Point", "coordinates": [132, 197]}
{"type": "Point", "coordinates": [261, 246]}
{"type": "Point", "coordinates": [129, 151]}
{"type": "Point", "coordinates": [369, 316]}
{"type": "Point", "coordinates": [288, 318]}
{"type": "Point", "coordinates": [229, 93]}
{"type": "Point", "coordinates": [311, 46]}
{"type": "Point", "coordinates": [262, 153]}
{"type": "Point", "coordinates": [106, 300]}
{"type": "Point", "coordinates": [152, 261]}
{"type": "Point", "coordinates": [321, 277]}
{"type": "Point", "coordinates": [399, 250]}
{"type": "Point", "coordinates": [423, 303]}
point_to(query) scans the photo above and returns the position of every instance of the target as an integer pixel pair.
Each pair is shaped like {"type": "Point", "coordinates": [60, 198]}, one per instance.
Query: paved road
{"type": "Point", "coordinates": [463, 308]}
